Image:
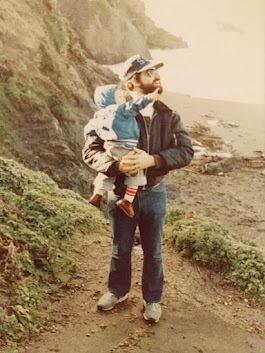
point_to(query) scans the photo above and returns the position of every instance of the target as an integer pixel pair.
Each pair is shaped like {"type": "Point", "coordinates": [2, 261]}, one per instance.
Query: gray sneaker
{"type": "Point", "coordinates": [109, 300]}
{"type": "Point", "coordinates": [152, 312]}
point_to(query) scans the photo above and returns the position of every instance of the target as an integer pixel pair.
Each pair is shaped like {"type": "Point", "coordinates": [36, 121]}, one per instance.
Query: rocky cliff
{"type": "Point", "coordinates": [113, 30]}
{"type": "Point", "coordinates": [49, 68]}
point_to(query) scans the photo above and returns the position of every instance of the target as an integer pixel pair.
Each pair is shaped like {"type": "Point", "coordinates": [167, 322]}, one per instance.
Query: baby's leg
{"type": "Point", "coordinates": [102, 184]}
{"type": "Point", "coordinates": [132, 182]}
{"type": "Point", "coordinates": [98, 183]}
{"type": "Point", "coordinates": [130, 193]}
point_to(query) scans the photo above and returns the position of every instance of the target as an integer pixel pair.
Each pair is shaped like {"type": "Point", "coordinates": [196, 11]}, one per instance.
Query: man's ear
{"type": "Point", "coordinates": [134, 82]}
{"type": "Point", "coordinates": [135, 79]}
{"type": "Point", "coordinates": [129, 85]}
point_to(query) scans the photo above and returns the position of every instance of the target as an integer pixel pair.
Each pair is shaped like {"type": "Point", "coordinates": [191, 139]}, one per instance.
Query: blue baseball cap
{"type": "Point", "coordinates": [138, 63]}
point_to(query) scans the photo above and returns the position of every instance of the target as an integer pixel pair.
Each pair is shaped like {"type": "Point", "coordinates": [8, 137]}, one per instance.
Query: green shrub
{"type": "Point", "coordinates": [10, 325]}
{"type": "Point", "coordinates": [47, 61]}
{"type": "Point", "coordinates": [210, 244]}
{"type": "Point", "coordinates": [9, 92]}
{"type": "Point", "coordinates": [58, 29]}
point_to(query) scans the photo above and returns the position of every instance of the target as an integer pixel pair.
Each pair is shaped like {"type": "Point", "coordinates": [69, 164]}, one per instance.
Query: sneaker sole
{"type": "Point", "coordinates": [120, 300]}
{"type": "Point", "coordinates": [150, 319]}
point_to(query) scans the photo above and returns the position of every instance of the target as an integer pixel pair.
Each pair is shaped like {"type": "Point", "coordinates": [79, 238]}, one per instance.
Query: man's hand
{"type": "Point", "coordinates": [136, 160]}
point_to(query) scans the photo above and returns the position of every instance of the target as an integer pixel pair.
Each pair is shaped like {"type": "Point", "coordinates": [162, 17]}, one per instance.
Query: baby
{"type": "Point", "coordinates": [115, 124]}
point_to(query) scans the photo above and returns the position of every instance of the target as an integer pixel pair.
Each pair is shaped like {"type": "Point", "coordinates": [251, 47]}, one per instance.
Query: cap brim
{"type": "Point", "coordinates": [152, 64]}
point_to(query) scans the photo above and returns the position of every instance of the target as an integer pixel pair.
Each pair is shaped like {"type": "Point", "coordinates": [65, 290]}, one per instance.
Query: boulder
{"type": "Point", "coordinates": [224, 166]}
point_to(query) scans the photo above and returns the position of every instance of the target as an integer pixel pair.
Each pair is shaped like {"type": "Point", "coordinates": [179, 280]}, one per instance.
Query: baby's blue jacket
{"type": "Point", "coordinates": [117, 122]}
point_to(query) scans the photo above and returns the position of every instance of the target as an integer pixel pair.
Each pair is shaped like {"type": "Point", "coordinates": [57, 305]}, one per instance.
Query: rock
{"type": "Point", "coordinates": [173, 191]}
{"type": "Point", "coordinates": [100, 23]}
{"type": "Point", "coordinates": [225, 123]}
{"type": "Point", "coordinates": [223, 166]}
{"type": "Point", "coordinates": [52, 4]}
{"type": "Point", "coordinates": [208, 116]}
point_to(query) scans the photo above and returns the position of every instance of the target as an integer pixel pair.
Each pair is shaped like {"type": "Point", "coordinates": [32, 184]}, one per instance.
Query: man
{"type": "Point", "coordinates": [164, 145]}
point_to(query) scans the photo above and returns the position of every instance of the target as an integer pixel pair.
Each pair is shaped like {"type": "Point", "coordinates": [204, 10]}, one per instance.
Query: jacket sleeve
{"type": "Point", "coordinates": [132, 108]}
{"type": "Point", "coordinates": [181, 152]}
{"type": "Point", "coordinates": [95, 156]}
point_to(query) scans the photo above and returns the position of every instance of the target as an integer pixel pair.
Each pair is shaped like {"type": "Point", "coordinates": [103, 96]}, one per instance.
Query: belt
{"type": "Point", "coordinates": [147, 187]}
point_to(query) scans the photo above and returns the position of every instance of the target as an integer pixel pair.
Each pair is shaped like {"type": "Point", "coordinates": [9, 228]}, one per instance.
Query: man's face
{"type": "Point", "coordinates": [150, 80]}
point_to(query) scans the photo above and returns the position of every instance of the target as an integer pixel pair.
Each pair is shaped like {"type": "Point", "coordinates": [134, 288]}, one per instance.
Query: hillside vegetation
{"type": "Point", "coordinates": [209, 243]}
{"type": "Point", "coordinates": [37, 220]}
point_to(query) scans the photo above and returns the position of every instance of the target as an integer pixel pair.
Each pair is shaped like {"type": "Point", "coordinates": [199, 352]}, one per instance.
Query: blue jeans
{"type": "Point", "coordinates": [150, 213]}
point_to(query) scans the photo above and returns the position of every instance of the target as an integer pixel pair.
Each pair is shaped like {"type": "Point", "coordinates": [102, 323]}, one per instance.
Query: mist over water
{"type": "Point", "coordinates": [210, 73]}
{"type": "Point", "coordinates": [225, 57]}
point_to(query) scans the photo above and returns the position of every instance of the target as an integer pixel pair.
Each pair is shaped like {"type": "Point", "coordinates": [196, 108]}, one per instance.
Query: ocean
{"type": "Point", "coordinates": [232, 74]}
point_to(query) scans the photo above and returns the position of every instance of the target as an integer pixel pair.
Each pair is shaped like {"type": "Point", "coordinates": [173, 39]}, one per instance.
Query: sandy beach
{"type": "Point", "coordinates": [238, 124]}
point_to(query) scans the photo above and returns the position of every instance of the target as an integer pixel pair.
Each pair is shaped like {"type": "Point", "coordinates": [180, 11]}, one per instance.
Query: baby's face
{"type": "Point", "coordinates": [120, 96]}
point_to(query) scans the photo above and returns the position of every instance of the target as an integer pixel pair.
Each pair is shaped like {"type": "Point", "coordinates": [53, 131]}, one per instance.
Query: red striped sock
{"type": "Point", "coordinates": [130, 193]}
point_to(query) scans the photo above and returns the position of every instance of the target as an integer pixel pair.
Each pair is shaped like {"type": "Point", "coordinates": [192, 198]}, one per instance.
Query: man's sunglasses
{"type": "Point", "coordinates": [152, 72]}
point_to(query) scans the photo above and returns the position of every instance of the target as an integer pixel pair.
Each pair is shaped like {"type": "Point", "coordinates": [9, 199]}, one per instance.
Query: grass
{"type": "Point", "coordinates": [211, 244]}
{"type": "Point", "coordinates": [9, 92]}
{"type": "Point", "coordinates": [37, 219]}
{"type": "Point", "coordinates": [59, 31]}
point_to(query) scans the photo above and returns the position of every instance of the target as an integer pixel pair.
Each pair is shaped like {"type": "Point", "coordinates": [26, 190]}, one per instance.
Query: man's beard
{"type": "Point", "coordinates": [149, 88]}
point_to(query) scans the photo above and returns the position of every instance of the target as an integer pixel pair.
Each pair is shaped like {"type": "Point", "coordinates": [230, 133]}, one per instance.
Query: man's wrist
{"type": "Point", "coordinates": [152, 161]}
{"type": "Point", "coordinates": [159, 162]}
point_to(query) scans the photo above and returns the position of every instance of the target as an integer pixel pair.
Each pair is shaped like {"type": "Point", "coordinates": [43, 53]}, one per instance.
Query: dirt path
{"type": "Point", "coordinates": [200, 312]}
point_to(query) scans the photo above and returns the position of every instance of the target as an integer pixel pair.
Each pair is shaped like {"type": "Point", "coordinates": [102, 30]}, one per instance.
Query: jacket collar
{"type": "Point", "coordinates": [160, 106]}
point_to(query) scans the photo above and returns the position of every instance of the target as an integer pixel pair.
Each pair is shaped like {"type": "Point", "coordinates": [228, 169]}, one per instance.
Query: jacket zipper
{"type": "Point", "coordinates": [148, 140]}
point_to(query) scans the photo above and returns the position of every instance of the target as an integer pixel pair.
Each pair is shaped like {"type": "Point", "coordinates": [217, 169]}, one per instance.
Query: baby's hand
{"type": "Point", "coordinates": [155, 95]}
